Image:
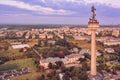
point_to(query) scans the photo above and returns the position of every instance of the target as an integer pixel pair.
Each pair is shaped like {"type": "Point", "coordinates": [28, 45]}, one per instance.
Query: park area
{"type": "Point", "coordinates": [16, 60]}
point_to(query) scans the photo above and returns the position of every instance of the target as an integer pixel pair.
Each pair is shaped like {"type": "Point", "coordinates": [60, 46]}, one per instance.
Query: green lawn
{"type": "Point", "coordinates": [84, 44]}
{"type": "Point", "coordinates": [10, 53]}
{"type": "Point", "coordinates": [21, 63]}
{"type": "Point", "coordinates": [7, 67]}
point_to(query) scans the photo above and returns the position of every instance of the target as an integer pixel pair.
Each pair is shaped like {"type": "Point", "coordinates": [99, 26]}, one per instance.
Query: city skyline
{"type": "Point", "coordinates": [58, 11]}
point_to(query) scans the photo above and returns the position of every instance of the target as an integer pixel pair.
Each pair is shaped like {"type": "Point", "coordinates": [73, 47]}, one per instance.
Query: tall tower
{"type": "Point", "coordinates": [93, 24]}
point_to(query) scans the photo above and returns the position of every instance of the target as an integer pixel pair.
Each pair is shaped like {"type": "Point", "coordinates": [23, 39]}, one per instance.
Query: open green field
{"type": "Point", "coordinates": [27, 63]}
{"type": "Point", "coordinates": [22, 63]}
{"type": "Point", "coordinates": [10, 53]}
{"type": "Point", "coordinates": [84, 44]}
{"type": "Point", "coordinates": [7, 67]}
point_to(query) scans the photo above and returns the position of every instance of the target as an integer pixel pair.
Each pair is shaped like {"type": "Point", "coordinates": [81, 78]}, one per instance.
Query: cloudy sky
{"type": "Point", "coordinates": [58, 11]}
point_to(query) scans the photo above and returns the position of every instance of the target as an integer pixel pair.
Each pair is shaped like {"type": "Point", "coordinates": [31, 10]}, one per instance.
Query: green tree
{"type": "Point", "coordinates": [59, 64]}
{"type": "Point", "coordinates": [114, 70]}
{"type": "Point", "coordinates": [11, 35]}
{"type": "Point", "coordinates": [85, 66]}
{"type": "Point", "coordinates": [50, 65]}
{"type": "Point", "coordinates": [83, 75]}
{"type": "Point", "coordinates": [87, 55]}
{"type": "Point", "coordinates": [62, 42]}
{"type": "Point", "coordinates": [66, 77]}
{"type": "Point", "coordinates": [82, 60]}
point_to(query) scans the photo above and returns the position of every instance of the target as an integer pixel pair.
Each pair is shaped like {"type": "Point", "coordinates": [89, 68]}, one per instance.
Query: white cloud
{"type": "Point", "coordinates": [16, 15]}
{"type": "Point", "coordinates": [111, 3]}
{"type": "Point", "coordinates": [36, 8]}
{"type": "Point", "coordinates": [43, 0]}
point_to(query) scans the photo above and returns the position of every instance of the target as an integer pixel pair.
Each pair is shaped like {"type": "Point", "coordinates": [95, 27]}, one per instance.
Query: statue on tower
{"type": "Point", "coordinates": [93, 23]}
{"type": "Point", "coordinates": [93, 12]}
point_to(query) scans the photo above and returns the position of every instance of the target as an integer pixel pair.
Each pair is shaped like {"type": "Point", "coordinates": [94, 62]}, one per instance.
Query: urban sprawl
{"type": "Point", "coordinates": [58, 53]}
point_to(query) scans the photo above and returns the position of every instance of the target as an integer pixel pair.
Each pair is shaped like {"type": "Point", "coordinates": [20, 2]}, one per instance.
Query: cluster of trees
{"type": "Point", "coordinates": [55, 52]}
{"type": "Point", "coordinates": [53, 75]}
{"type": "Point", "coordinates": [56, 42]}
{"type": "Point", "coordinates": [57, 65]}
{"type": "Point", "coordinates": [11, 35]}
{"type": "Point", "coordinates": [60, 42]}
{"type": "Point", "coordinates": [60, 48]}
{"type": "Point", "coordinates": [74, 73]}
{"type": "Point", "coordinates": [109, 69]}
{"type": "Point", "coordinates": [4, 46]}
{"type": "Point", "coordinates": [104, 33]}
{"type": "Point", "coordinates": [115, 56]}
{"type": "Point", "coordinates": [63, 42]}
{"type": "Point", "coordinates": [103, 60]}
{"type": "Point", "coordinates": [117, 50]}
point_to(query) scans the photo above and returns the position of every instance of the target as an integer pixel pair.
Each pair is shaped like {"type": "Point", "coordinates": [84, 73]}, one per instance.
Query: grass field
{"type": "Point", "coordinates": [22, 63]}
{"type": "Point", "coordinates": [10, 53]}
{"type": "Point", "coordinates": [84, 44]}
{"type": "Point", "coordinates": [7, 67]}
